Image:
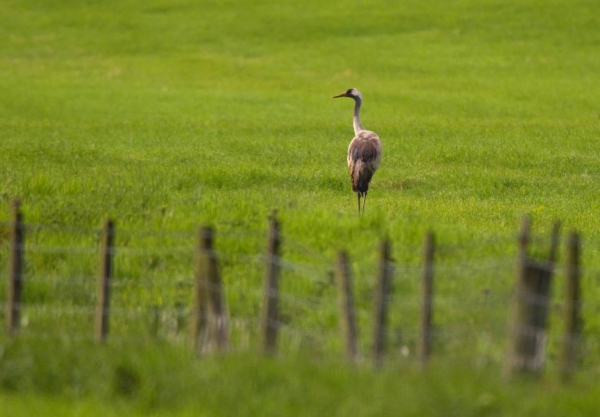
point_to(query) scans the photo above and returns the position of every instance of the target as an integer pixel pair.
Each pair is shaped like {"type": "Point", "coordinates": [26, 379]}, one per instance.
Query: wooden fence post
{"type": "Point", "coordinates": [346, 301]}
{"type": "Point", "coordinates": [270, 314]}
{"type": "Point", "coordinates": [199, 330]}
{"type": "Point", "coordinates": [573, 322]}
{"type": "Point", "coordinates": [15, 278]}
{"type": "Point", "coordinates": [517, 319]}
{"type": "Point", "coordinates": [104, 282]}
{"type": "Point", "coordinates": [427, 302]}
{"type": "Point", "coordinates": [527, 342]}
{"type": "Point", "coordinates": [216, 295]}
{"type": "Point", "coordinates": [382, 298]}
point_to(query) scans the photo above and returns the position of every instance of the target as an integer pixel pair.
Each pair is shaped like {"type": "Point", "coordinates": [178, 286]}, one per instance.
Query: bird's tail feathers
{"type": "Point", "coordinates": [361, 176]}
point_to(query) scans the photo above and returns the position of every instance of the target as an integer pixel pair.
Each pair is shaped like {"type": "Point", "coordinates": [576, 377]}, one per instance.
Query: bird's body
{"type": "Point", "coordinates": [364, 151]}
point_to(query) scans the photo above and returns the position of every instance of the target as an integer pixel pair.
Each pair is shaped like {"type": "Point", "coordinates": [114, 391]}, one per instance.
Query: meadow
{"type": "Point", "coordinates": [168, 115]}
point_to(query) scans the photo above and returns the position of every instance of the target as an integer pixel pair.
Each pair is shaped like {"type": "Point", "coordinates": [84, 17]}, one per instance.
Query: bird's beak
{"type": "Point", "coordinates": [340, 95]}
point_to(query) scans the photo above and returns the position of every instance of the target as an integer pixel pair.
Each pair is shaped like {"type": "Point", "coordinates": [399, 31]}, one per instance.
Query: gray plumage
{"type": "Point", "coordinates": [364, 152]}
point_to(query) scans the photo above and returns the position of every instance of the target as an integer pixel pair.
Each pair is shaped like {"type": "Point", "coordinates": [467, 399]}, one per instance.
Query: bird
{"type": "Point", "coordinates": [364, 151]}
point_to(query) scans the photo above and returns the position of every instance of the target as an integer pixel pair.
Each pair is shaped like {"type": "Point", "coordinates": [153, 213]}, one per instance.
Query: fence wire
{"type": "Point", "coordinates": [154, 279]}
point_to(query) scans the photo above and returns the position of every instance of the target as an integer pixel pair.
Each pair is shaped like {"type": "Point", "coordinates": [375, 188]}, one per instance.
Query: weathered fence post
{"type": "Point", "coordinates": [527, 342]}
{"type": "Point", "coordinates": [199, 330]}
{"type": "Point", "coordinates": [15, 278]}
{"type": "Point", "coordinates": [573, 322]}
{"type": "Point", "coordinates": [216, 296]}
{"type": "Point", "coordinates": [343, 278]}
{"type": "Point", "coordinates": [104, 282]}
{"type": "Point", "coordinates": [382, 298]}
{"type": "Point", "coordinates": [514, 361]}
{"type": "Point", "coordinates": [270, 314]}
{"type": "Point", "coordinates": [424, 348]}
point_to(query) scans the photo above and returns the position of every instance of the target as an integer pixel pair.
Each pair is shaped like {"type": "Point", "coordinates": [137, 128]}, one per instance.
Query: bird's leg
{"type": "Point", "coordinates": [358, 196]}
{"type": "Point", "coordinates": [364, 202]}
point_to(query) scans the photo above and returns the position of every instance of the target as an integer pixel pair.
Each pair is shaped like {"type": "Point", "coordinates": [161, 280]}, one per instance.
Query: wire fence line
{"type": "Point", "coordinates": [445, 331]}
{"type": "Point", "coordinates": [316, 257]}
{"type": "Point", "coordinates": [133, 248]}
{"type": "Point", "coordinates": [155, 275]}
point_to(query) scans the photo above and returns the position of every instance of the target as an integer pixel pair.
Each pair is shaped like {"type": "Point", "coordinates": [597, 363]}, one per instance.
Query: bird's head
{"type": "Point", "coordinates": [352, 93]}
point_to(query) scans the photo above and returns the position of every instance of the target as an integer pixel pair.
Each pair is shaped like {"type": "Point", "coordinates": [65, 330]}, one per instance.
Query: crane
{"type": "Point", "coordinates": [364, 151]}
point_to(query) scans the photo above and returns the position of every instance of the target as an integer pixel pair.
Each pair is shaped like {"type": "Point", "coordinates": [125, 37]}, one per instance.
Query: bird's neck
{"type": "Point", "coordinates": [358, 127]}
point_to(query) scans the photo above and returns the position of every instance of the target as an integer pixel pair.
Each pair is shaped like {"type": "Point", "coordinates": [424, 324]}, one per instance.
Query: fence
{"type": "Point", "coordinates": [213, 300]}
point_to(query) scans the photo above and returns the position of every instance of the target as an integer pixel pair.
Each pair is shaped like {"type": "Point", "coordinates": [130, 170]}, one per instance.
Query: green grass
{"type": "Point", "coordinates": [150, 381]}
{"type": "Point", "coordinates": [171, 114]}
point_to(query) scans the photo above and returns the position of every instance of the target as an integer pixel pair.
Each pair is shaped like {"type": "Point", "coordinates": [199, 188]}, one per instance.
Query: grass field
{"type": "Point", "coordinates": [170, 114]}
